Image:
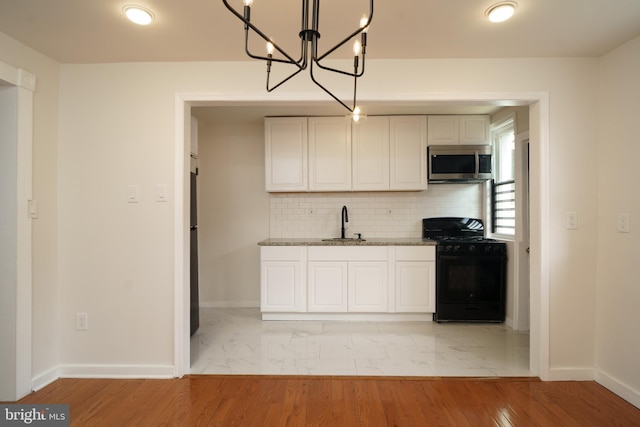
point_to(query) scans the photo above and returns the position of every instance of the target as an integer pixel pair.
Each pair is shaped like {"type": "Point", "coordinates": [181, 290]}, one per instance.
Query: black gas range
{"type": "Point", "coordinates": [470, 270]}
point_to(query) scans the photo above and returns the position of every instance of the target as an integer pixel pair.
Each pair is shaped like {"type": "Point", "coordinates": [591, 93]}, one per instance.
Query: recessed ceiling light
{"type": "Point", "coordinates": [501, 11]}
{"type": "Point", "coordinates": [138, 14]}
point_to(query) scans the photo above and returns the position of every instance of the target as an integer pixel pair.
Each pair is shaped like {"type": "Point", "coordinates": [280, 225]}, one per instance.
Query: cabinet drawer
{"type": "Point", "coordinates": [281, 253]}
{"type": "Point", "coordinates": [348, 253]}
{"type": "Point", "coordinates": [415, 253]}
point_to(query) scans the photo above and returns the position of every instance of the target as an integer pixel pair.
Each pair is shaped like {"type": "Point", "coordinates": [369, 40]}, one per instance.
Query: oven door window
{"type": "Point", "coordinates": [470, 279]}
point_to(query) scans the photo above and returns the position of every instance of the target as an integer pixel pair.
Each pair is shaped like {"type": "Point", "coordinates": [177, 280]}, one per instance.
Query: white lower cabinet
{"type": "Point", "coordinates": [415, 279]}
{"type": "Point", "coordinates": [348, 279]}
{"type": "Point", "coordinates": [283, 279]}
{"type": "Point", "coordinates": [327, 283]}
{"type": "Point", "coordinates": [368, 287]}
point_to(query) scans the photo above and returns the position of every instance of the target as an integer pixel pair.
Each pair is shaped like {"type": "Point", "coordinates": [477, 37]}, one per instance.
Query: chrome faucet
{"type": "Point", "coordinates": [345, 218]}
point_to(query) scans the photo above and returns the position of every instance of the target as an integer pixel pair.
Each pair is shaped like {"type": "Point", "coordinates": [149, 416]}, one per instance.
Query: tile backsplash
{"type": "Point", "coordinates": [374, 214]}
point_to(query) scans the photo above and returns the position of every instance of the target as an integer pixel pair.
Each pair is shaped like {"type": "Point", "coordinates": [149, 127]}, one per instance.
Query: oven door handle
{"type": "Point", "coordinates": [476, 171]}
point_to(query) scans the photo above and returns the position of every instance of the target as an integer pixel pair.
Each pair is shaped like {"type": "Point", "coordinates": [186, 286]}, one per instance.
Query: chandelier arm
{"type": "Point", "coordinates": [335, 70]}
{"type": "Point", "coordinates": [248, 24]}
{"type": "Point", "coordinates": [313, 78]}
{"type": "Point", "coordinates": [352, 35]}
{"type": "Point", "coordinates": [283, 81]}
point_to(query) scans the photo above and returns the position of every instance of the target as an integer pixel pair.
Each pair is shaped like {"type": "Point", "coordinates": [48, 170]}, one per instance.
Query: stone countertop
{"type": "Point", "coordinates": [367, 241]}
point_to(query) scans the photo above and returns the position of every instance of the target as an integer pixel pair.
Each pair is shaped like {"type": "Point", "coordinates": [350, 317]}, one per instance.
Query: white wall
{"type": "Point", "coordinates": [46, 292]}
{"type": "Point", "coordinates": [618, 314]}
{"type": "Point", "coordinates": [233, 211]}
{"type": "Point", "coordinates": [117, 129]}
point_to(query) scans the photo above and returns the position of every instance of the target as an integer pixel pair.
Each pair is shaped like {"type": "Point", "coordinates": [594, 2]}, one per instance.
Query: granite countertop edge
{"type": "Point", "coordinates": [373, 241]}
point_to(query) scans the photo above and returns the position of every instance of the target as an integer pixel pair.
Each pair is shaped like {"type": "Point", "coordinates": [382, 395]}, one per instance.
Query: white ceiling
{"type": "Point", "coordinates": [96, 31]}
{"type": "Point", "coordinates": [93, 31]}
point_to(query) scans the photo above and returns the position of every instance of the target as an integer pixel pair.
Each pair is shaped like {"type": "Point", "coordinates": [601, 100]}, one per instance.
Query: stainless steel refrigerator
{"type": "Point", "coordinates": [194, 314]}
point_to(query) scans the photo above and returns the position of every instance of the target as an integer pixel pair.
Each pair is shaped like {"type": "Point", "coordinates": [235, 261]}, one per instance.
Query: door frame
{"type": "Point", "coordinates": [521, 302]}
{"type": "Point", "coordinates": [539, 119]}
{"type": "Point", "coordinates": [24, 84]}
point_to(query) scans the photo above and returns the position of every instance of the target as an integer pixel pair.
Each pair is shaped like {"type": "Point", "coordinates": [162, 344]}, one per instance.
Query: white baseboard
{"type": "Point", "coordinates": [45, 379]}
{"type": "Point", "coordinates": [508, 322]}
{"type": "Point", "coordinates": [619, 388]}
{"type": "Point", "coordinates": [101, 371]}
{"type": "Point", "coordinates": [358, 317]}
{"type": "Point", "coordinates": [572, 374]}
{"type": "Point", "coordinates": [116, 371]}
{"type": "Point", "coordinates": [229, 304]}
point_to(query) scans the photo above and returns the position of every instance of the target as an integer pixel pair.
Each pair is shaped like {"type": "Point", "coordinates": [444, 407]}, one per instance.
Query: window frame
{"type": "Point", "coordinates": [504, 125]}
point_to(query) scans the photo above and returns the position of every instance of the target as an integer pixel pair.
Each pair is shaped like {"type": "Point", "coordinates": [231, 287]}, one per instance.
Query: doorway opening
{"type": "Point", "coordinates": [538, 124]}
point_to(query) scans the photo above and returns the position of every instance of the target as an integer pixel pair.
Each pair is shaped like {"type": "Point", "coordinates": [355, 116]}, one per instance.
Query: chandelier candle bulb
{"type": "Point", "coordinates": [363, 23]}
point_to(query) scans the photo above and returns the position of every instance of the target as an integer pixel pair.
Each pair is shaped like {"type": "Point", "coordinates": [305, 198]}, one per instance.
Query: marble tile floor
{"type": "Point", "coordinates": [237, 341]}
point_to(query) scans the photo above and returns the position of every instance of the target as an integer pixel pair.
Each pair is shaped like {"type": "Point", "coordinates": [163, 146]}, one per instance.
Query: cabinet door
{"type": "Point", "coordinates": [370, 164]}
{"type": "Point", "coordinates": [415, 287]}
{"type": "Point", "coordinates": [443, 130]}
{"type": "Point", "coordinates": [327, 286]}
{"type": "Point", "coordinates": [408, 152]}
{"type": "Point", "coordinates": [329, 154]}
{"type": "Point", "coordinates": [280, 286]}
{"type": "Point", "coordinates": [474, 130]}
{"type": "Point", "coordinates": [286, 154]}
{"type": "Point", "coordinates": [368, 286]}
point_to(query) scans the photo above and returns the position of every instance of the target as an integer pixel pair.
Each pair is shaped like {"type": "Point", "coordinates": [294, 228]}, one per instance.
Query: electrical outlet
{"type": "Point", "coordinates": [82, 321]}
{"type": "Point", "coordinates": [623, 223]}
{"type": "Point", "coordinates": [572, 221]}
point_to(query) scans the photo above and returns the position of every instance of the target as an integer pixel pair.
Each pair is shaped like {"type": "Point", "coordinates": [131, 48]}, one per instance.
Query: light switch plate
{"type": "Point", "coordinates": [33, 209]}
{"type": "Point", "coordinates": [572, 221]}
{"type": "Point", "coordinates": [161, 193]}
{"type": "Point", "coordinates": [132, 193]}
{"type": "Point", "coordinates": [623, 223]}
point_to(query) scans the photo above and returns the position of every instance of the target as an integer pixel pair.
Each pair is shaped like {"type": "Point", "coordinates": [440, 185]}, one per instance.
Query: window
{"type": "Point", "coordinates": [503, 204]}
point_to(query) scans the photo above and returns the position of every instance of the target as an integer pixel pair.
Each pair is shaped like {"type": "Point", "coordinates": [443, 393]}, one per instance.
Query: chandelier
{"type": "Point", "coordinates": [309, 35]}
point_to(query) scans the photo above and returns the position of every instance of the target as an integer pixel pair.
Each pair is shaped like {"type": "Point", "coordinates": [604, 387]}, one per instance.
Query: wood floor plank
{"type": "Point", "coordinates": [336, 401]}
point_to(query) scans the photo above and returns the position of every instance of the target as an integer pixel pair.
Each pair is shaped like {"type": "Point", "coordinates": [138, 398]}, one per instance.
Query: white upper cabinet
{"type": "Point", "coordinates": [329, 154]}
{"type": "Point", "coordinates": [371, 154]}
{"type": "Point", "coordinates": [443, 130]}
{"type": "Point", "coordinates": [286, 154]}
{"type": "Point", "coordinates": [464, 130]}
{"type": "Point", "coordinates": [408, 152]}
{"type": "Point", "coordinates": [474, 130]}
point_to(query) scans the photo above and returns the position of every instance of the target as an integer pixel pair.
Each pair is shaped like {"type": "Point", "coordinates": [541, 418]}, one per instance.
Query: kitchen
{"type": "Point", "coordinates": [235, 211]}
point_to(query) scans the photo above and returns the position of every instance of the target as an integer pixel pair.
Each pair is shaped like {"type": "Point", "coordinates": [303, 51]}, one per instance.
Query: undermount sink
{"type": "Point", "coordinates": [346, 239]}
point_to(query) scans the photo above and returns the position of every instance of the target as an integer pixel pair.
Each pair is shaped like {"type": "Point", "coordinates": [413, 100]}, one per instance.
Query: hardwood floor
{"type": "Point", "coordinates": [336, 401]}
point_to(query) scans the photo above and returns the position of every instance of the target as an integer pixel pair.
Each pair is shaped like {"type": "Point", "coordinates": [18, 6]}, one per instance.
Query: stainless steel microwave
{"type": "Point", "coordinates": [459, 163]}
